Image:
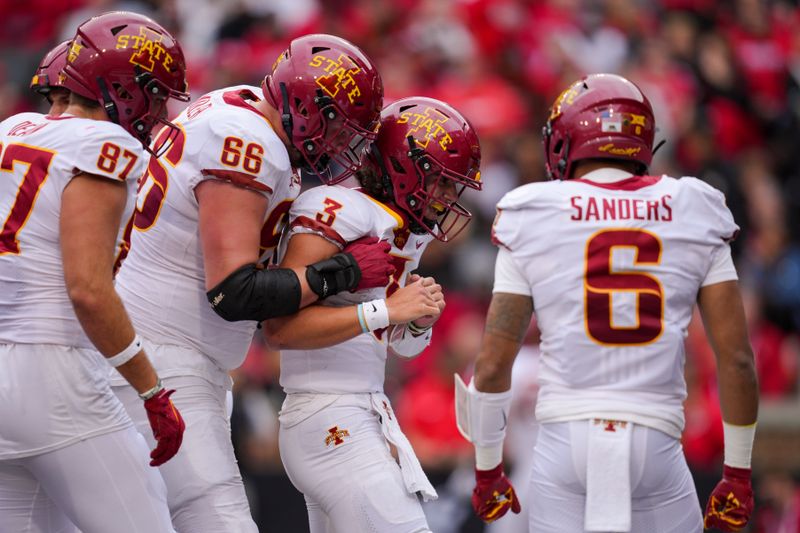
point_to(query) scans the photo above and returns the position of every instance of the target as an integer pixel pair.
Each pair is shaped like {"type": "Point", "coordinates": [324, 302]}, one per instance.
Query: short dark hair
{"type": "Point", "coordinates": [75, 98]}
{"type": "Point", "coordinates": [374, 184]}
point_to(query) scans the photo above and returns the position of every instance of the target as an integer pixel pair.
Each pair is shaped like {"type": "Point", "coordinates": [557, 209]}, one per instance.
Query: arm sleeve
{"type": "Point", "coordinates": [721, 268]}
{"type": "Point", "coordinates": [508, 277]}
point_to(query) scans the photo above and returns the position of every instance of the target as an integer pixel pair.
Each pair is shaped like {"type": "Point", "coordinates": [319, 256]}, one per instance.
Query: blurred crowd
{"type": "Point", "coordinates": [723, 77]}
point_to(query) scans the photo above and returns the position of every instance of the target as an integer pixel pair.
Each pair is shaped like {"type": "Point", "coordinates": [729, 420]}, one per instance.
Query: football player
{"type": "Point", "coordinates": [210, 211]}
{"type": "Point", "coordinates": [47, 82]}
{"type": "Point", "coordinates": [336, 423]}
{"type": "Point", "coordinates": [69, 453]}
{"type": "Point", "coordinates": [612, 260]}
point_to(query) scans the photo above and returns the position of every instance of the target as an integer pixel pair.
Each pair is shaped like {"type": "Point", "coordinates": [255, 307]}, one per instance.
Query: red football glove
{"type": "Point", "coordinates": [167, 425]}
{"type": "Point", "coordinates": [731, 502]}
{"type": "Point", "coordinates": [374, 261]}
{"type": "Point", "coordinates": [493, 494]}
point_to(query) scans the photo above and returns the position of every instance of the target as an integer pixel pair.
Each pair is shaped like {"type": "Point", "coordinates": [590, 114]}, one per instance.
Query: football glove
{"type": "Point", "coordinates": [731, 502]}
{"type": "Point", "coordinates": [167, 425]}
{"type": "Point", "coordinates": [493, 494]}
{"type": "Point", "coordinates": [374, 262]}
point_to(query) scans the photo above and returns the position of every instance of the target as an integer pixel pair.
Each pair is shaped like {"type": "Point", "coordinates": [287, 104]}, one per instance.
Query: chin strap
{"type": "Point", "coordinates": [286, 115]}
{"type": "Point", "coordinates": [108, 104]}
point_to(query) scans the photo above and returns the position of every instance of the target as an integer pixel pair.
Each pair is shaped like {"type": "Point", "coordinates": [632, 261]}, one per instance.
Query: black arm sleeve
{"type": "Point", "coordinates": [249, 293]}
{"type": "Point", "coordinates": [333, 275]}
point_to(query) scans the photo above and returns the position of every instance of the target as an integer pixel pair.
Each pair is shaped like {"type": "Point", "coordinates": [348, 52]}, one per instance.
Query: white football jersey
{"type": "Point", "coordinates": [40, 155]}
{"type": "Point", "coordinates": [162, 279]}
{"type": "Point", "coordinates": [343, 215]}
{"type": "Point", "coordinates": [614, 269]}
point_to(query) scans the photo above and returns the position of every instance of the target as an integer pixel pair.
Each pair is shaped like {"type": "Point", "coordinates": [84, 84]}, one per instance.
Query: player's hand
{"type": "Point", "coordinates": [731, 502]}
{"type": "Point", "coordinates": [493, 494]}
{"type": "Point", "coordinates": [414, 301]}
{"type": "Point", "coordinates": [373, 260]}
{"type": "Point", "coordinates": [167, 425]}
{"type": "Point", "coordinates": [428, 321]}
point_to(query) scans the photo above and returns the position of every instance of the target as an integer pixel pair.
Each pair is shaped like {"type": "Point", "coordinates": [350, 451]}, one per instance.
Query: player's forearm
{"type": "Point", "coordinates": [493, 367]}
{"type": "Point", "coordinates": [307, 295]}
{"type": "Point", "coordinates": [106, 324]}
{"type": "Point", "coordinates": [507, 322]}
{"type": "Point", "coordinates": [332, 325]}
{"type": "Point", "coordinates": [738, 388]}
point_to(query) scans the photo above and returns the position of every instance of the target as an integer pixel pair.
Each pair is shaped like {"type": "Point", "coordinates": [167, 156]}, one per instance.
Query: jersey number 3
{"type": "Point", "coordinates": [601, 282]}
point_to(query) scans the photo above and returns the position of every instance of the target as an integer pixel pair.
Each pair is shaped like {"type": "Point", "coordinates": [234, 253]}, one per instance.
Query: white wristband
{"type": "Point", "coordinates": [376, 314]}
{"type": "Point", "coordinates": [127, 354]}
{"type": "Point", "coordinates": [488, 457]}
{"type": "Point", "coordinates": [738, 444]}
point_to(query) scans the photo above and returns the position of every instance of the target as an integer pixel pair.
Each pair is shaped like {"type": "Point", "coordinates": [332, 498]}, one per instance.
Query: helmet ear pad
{"type": "Point", "coordinates": [601, 116]}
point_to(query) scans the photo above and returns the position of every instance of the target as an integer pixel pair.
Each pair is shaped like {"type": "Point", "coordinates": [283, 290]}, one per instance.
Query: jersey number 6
{"type": "Point", "coordinates": [601, 282]}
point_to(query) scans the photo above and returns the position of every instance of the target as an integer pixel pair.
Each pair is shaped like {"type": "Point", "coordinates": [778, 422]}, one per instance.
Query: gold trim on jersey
{"type": "Point", "coordinates": [401, 221]}
{"type": "Point", "coordinates": [587, 288]}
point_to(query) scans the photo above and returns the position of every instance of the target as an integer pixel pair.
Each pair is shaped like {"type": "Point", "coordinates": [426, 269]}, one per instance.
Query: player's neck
{"type": "Point", "coordinates": [586, 166]}
{"type": "Point", "coordinates": [77, 110]}
{"type": "Point", "coordinates": [274, 118]}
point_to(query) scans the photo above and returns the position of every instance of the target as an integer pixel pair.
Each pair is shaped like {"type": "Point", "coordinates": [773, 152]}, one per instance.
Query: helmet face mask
{"type": "Point", "coordinates": [601, 116]}
{"type": "Point", "coordinates": [131, 66]}
{"type": "Point", "coordinates": [329, 95]}
{"type": "Point", "coordinates": [337, 149]}
{"type": "Point", "coordinates": [428, 154]}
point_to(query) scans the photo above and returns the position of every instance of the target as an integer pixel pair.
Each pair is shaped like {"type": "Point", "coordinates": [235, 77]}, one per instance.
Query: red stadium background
{"type": "Point", "coordinates": [724, 79]}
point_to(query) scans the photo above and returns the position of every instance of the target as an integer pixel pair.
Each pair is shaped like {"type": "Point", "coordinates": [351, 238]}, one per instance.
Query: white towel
{"type": "Point", "coordinates": [414, 477]}
{"type": "Point", "coordinates": [608, 477]}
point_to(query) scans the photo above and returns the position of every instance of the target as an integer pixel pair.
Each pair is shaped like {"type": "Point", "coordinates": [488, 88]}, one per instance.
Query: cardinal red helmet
{"type": "Point", "coordinates": [131, 66]}
{"type": "Point", "coordinates": [46, 76]}
{"type": "Point", "coordinates": [330, 97]}
{"type": "Point", "coordinates": [427, 153]}
{"type": "Point", "coordinates": [601, 116]}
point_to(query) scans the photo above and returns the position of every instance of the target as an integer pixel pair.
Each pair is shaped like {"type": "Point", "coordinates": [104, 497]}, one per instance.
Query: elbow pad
{"type": "Point", "coordinates": [404, 344]}
{"type": "Point", "coordinates": [333, 275]}
{"type": "Point", "coordinates": [250, 293]}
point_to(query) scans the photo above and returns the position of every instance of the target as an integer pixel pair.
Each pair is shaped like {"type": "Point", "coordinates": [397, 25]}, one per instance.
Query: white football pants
{"type": "Point", "coordinates": [663, 496]}
{"type": "Point", "coordinates": [101, 484]}
{"type": "Point", "coordinates": [350, 480]}
{"type": "Point", "coordinates": [204, 487]}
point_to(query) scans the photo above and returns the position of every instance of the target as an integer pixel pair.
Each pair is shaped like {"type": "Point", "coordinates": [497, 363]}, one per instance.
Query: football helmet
{"type": "Point", "coordinates": [131, 66]}
{"type": "Point", "coordinates": [427, 154]}
{"type": "Point", "coordinates": [330, 96]}
{"type": "Point", "coordinates": [46, 76]}
{"type": "Point", "coordinates": [601, 116]}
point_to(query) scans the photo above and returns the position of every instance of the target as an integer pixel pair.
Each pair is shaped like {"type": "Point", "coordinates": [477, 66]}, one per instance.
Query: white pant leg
{"type": "Point", "coordinates": [317, 519]}
{"type": "Point", "coordinates": [663, 494]}
{"type": "Point", "coordinates": [24, 505]}
{"type": "Point", "coordinates": [357, 483]}
{"type": "Point", "coordinates": [101, 484]}
{"type": "Point", "coordinates": [204, 487]}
